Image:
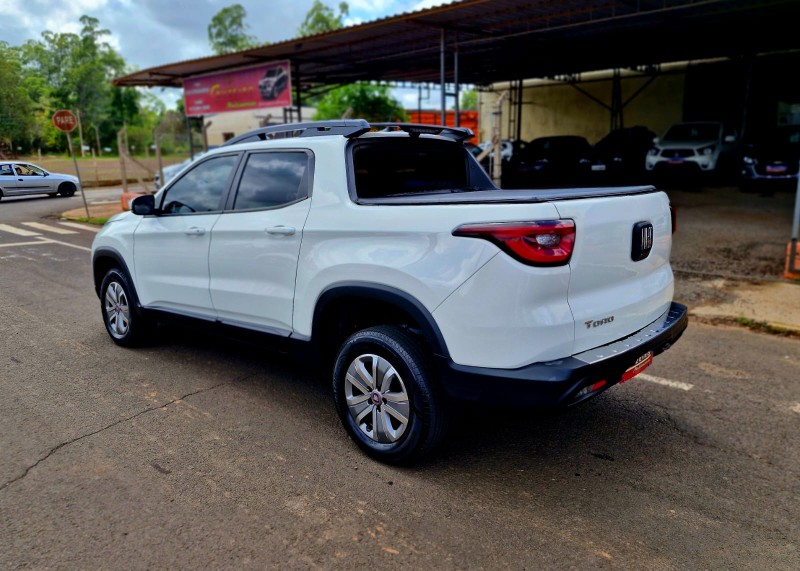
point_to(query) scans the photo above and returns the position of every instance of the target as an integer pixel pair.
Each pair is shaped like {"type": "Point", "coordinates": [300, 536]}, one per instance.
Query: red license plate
{"type": "Point", "coordinates": [640, 365]}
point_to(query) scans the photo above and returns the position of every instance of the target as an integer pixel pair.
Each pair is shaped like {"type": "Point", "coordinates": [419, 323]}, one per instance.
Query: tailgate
{"type": "Point", "coordinates": [610, 294]}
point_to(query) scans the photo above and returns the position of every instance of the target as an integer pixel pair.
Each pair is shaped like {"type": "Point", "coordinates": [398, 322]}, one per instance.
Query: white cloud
{"type": "Point", "coordinates": [425, 4]}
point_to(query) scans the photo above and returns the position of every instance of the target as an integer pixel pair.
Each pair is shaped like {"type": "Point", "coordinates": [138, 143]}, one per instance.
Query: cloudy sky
{"type": "Point", "coordinates": [154, 32]}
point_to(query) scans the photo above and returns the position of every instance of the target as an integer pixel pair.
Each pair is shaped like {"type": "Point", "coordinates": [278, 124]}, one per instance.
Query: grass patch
{"type": "Point", "coordinates": [98, 221]}
{"type": "Point", "coordinates": [763, 326]}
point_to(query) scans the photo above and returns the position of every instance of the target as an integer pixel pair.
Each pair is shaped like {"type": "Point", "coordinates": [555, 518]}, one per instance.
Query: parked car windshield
{"type": "Point", "coordinates": [693, 132]}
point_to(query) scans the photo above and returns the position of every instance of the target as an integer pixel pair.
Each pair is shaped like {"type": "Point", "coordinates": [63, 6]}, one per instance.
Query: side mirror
{"type": "Point", "coordinates": [730, 138]}
{"type": "Point", "coordinates": [144, 205]}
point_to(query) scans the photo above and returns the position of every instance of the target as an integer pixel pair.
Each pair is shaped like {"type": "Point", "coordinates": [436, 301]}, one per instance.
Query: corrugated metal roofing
{"type": "Point", "coordinates": [500, 40]}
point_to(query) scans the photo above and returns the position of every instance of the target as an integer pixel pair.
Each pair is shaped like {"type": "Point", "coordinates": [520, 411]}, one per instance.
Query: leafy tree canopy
{"type": "Point", "coordinates": [469, 100]}
{"type": "Point", "coordinates": [321, 18]}
{"type": "Point", "coordinates": [360, 100]}
{"type": "Point", "coordinates": [226, 32]}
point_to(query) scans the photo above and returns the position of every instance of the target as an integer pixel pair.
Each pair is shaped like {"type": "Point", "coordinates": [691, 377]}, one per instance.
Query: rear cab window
{"type": "Point", "coordinates": [383, 167]}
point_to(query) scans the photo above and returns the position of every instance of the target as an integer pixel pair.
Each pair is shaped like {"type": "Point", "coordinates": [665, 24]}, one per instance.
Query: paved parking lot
{"type": "Point", "coordinates": [198, 452]}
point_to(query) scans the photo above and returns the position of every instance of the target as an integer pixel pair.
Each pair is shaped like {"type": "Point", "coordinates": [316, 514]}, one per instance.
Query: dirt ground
{"type": "Point", "coordinates": [726, 238]}
{"type": "Point", "coordinates": [102, 171]}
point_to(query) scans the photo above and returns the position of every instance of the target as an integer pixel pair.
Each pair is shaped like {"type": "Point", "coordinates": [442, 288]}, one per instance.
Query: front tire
{"type": "Point", "coordinates": [66, 189]}
{"type": "Point", "coordinates": [387, 396]}
{"type": "Point", "coordinates": [124, 322]}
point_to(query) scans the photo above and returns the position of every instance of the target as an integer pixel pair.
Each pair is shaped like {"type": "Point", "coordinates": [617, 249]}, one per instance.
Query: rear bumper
{"type": "Point", "coordinates": [557, 383]}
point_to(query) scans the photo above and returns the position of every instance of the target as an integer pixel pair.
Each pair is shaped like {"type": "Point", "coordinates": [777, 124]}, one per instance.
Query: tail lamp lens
{"type": "Point", "coordinates": [541, 243]}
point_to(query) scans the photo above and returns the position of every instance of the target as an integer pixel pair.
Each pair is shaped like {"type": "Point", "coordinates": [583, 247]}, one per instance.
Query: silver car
{"type": "Point", "coordinates": [18, 178]}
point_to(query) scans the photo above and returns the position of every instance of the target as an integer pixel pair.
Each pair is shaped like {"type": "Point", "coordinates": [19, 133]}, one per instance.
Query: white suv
{"type": "Point", "coordinates": [392, 259]}
{"type": "Point", "coordinates": [700, 146]}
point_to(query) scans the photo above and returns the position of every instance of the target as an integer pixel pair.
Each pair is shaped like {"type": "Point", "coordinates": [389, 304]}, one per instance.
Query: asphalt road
{"type": "Point", "coordinates": [196, 452]}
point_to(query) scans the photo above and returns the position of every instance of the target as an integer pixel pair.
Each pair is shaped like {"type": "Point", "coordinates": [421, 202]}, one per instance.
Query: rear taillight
{"type": "Point", "coordinates": [673, 218]}
{"type": "Point", "coordinates": [542, 243]}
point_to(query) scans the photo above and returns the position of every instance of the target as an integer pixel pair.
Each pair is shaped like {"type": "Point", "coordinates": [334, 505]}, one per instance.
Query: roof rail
{"type": "Point", "coordinates": [349, 128]}
{"type": "Point", "coordinates": [417, 129]}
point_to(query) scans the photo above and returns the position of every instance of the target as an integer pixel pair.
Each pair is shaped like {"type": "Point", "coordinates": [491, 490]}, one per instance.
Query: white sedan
{"type": "Point", "coordinates": [18, 179]}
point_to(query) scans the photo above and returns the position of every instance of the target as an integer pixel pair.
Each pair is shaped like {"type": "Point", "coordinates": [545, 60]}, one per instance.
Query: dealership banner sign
{"type": "Point", "coordinates": [257, 87]}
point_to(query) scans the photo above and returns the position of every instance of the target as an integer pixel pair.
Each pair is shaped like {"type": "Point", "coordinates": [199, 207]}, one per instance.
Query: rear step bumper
{"type": "Point", "coordinates": [557, 383]}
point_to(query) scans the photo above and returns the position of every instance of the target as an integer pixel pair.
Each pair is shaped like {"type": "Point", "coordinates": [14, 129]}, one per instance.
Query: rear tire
{"type": "Point", "coordinates": [387, 396]}
{"type": "Point", "coordinates": [124, 321]}
{"type": "Point", "coordinates": [66, 189]}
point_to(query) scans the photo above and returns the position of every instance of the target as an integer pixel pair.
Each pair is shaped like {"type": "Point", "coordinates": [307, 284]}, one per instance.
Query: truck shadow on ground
{"type": "Point", "coordinates": [614, 427]}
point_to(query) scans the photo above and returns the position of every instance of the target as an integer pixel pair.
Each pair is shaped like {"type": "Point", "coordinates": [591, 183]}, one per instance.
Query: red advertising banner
{"type": "Point", "coordinates": [258, 87]}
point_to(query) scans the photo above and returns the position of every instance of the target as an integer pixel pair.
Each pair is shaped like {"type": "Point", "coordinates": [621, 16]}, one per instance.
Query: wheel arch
{"type": "Point", "coordinates": [103, 259]}
{"type": "Point", "coordinates": [362, 305]}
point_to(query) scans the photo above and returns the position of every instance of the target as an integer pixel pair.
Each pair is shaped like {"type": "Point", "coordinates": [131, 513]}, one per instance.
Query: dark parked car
{"type": "Point", "coordinates": [623, 153]}
{"type": "Point", "coordinates": [551, 161]}
{"type": "Point", "coordinates": [772, 160]}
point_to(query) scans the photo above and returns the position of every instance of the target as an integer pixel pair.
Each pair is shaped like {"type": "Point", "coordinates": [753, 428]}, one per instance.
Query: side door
{"type": "Point", "coordinates": [256, 242]}
{"type": "Point", "coordinates": [8, 179]}
{"type": "Point", "coordinates": [30, 179]}
{"type": "Point", "coordinates": [171, 248]}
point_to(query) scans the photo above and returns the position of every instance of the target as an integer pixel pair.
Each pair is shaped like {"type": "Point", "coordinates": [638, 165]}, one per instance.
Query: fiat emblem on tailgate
{"type": "Point", "coordinates": [642, 241]}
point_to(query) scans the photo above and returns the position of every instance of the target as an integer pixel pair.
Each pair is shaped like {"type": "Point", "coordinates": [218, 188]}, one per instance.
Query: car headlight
{"type": "Point", "coordinates": [584, 161]}
{"type": "Point", "coordinates": [749, 160]}
{"type": "Point", "coordinates": [653, 152]}
{"type": "Point", "coordinates": [707, 151]}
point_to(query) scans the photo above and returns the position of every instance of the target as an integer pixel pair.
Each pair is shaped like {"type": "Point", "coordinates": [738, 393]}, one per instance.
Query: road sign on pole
{"type": "Point", "coordinates": [65, 120]}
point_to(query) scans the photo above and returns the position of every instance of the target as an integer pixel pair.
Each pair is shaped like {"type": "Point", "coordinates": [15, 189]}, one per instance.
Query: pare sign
{"type": "Point", "coordinates": [65, 120]}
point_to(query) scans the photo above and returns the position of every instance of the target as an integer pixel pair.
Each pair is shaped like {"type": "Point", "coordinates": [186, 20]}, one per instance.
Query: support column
{"type": "Point", "coordinates": [456, 88]}
{"type": "Point", "coordinates": [442, 80]}
{"type": "Point", "coordinates": [299, 90]}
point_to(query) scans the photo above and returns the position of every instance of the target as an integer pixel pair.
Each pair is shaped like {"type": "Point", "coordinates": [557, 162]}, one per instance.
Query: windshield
{"type": "Point", "coordinates": [272, 72]}
{"type": "Point", "coordinates": [693, 132]}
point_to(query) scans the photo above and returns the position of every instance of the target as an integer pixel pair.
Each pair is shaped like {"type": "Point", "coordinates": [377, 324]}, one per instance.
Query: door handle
{"type": "Point", "coordinates": [281, 230]}
{"type": "Point", "coordinates": [194, 231]}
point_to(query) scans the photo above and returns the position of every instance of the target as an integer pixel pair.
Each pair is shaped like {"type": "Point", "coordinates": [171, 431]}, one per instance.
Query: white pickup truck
{"type": "Point", "coordinates": [387, 253]}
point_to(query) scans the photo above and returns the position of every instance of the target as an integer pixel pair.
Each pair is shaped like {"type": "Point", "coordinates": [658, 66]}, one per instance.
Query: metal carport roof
{"type": "Point", "coordinates": [500, 40]}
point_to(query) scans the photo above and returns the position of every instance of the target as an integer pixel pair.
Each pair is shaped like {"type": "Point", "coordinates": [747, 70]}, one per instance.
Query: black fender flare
{"type": "Point", "coordinates": [385, 294]}
{"type": "Point", "coordinates": [106, 252]}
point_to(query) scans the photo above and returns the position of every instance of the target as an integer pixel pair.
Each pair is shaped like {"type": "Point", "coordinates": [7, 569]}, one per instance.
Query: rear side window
{"type": "Point", "coordinates": [400, 166]}
{"type": "Point", "coordinates": [201, 188]}
{"type": "Point", "coordinates": [273, 179]}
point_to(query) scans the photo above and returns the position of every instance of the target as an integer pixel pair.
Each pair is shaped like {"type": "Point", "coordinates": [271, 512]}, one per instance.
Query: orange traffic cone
{"type": "Point", "coordinates": [792, 273]}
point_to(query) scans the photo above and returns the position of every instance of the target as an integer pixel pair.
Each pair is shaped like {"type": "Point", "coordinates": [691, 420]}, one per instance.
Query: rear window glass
{"type": "Point", "coordinates": [409, 166]}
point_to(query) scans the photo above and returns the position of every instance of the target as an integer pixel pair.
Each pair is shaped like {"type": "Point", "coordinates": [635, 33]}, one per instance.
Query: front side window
{"type": "Point", "coordinates": [200, 189]}
{"type": "Point", "coordinates": [273, 179]}
{"type": "Point", "coordinates": [28, 170]}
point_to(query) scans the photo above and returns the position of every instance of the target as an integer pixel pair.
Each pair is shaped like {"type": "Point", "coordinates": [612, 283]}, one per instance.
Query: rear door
{"type": "Point", "coordinates": [618, 284]}
{"type": "Point", "coordinates": [8, 179]}
{"type": "Point", "coordinates": [256, 242]}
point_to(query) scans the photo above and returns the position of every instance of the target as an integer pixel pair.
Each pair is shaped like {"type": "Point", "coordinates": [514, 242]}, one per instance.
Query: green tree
{"type": "Point", "coordinates": [72, 71]}
{"type": "Point", "coordinates": [16, 107]}
{"type": "Point", "coordinates": [321, 18]}
{"type": "Point", "coordinates": [360, 100]}
{"type": "Point", "coordinates": [226, 32]}
{"type": "Point", "coordinates": [469, 100]}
